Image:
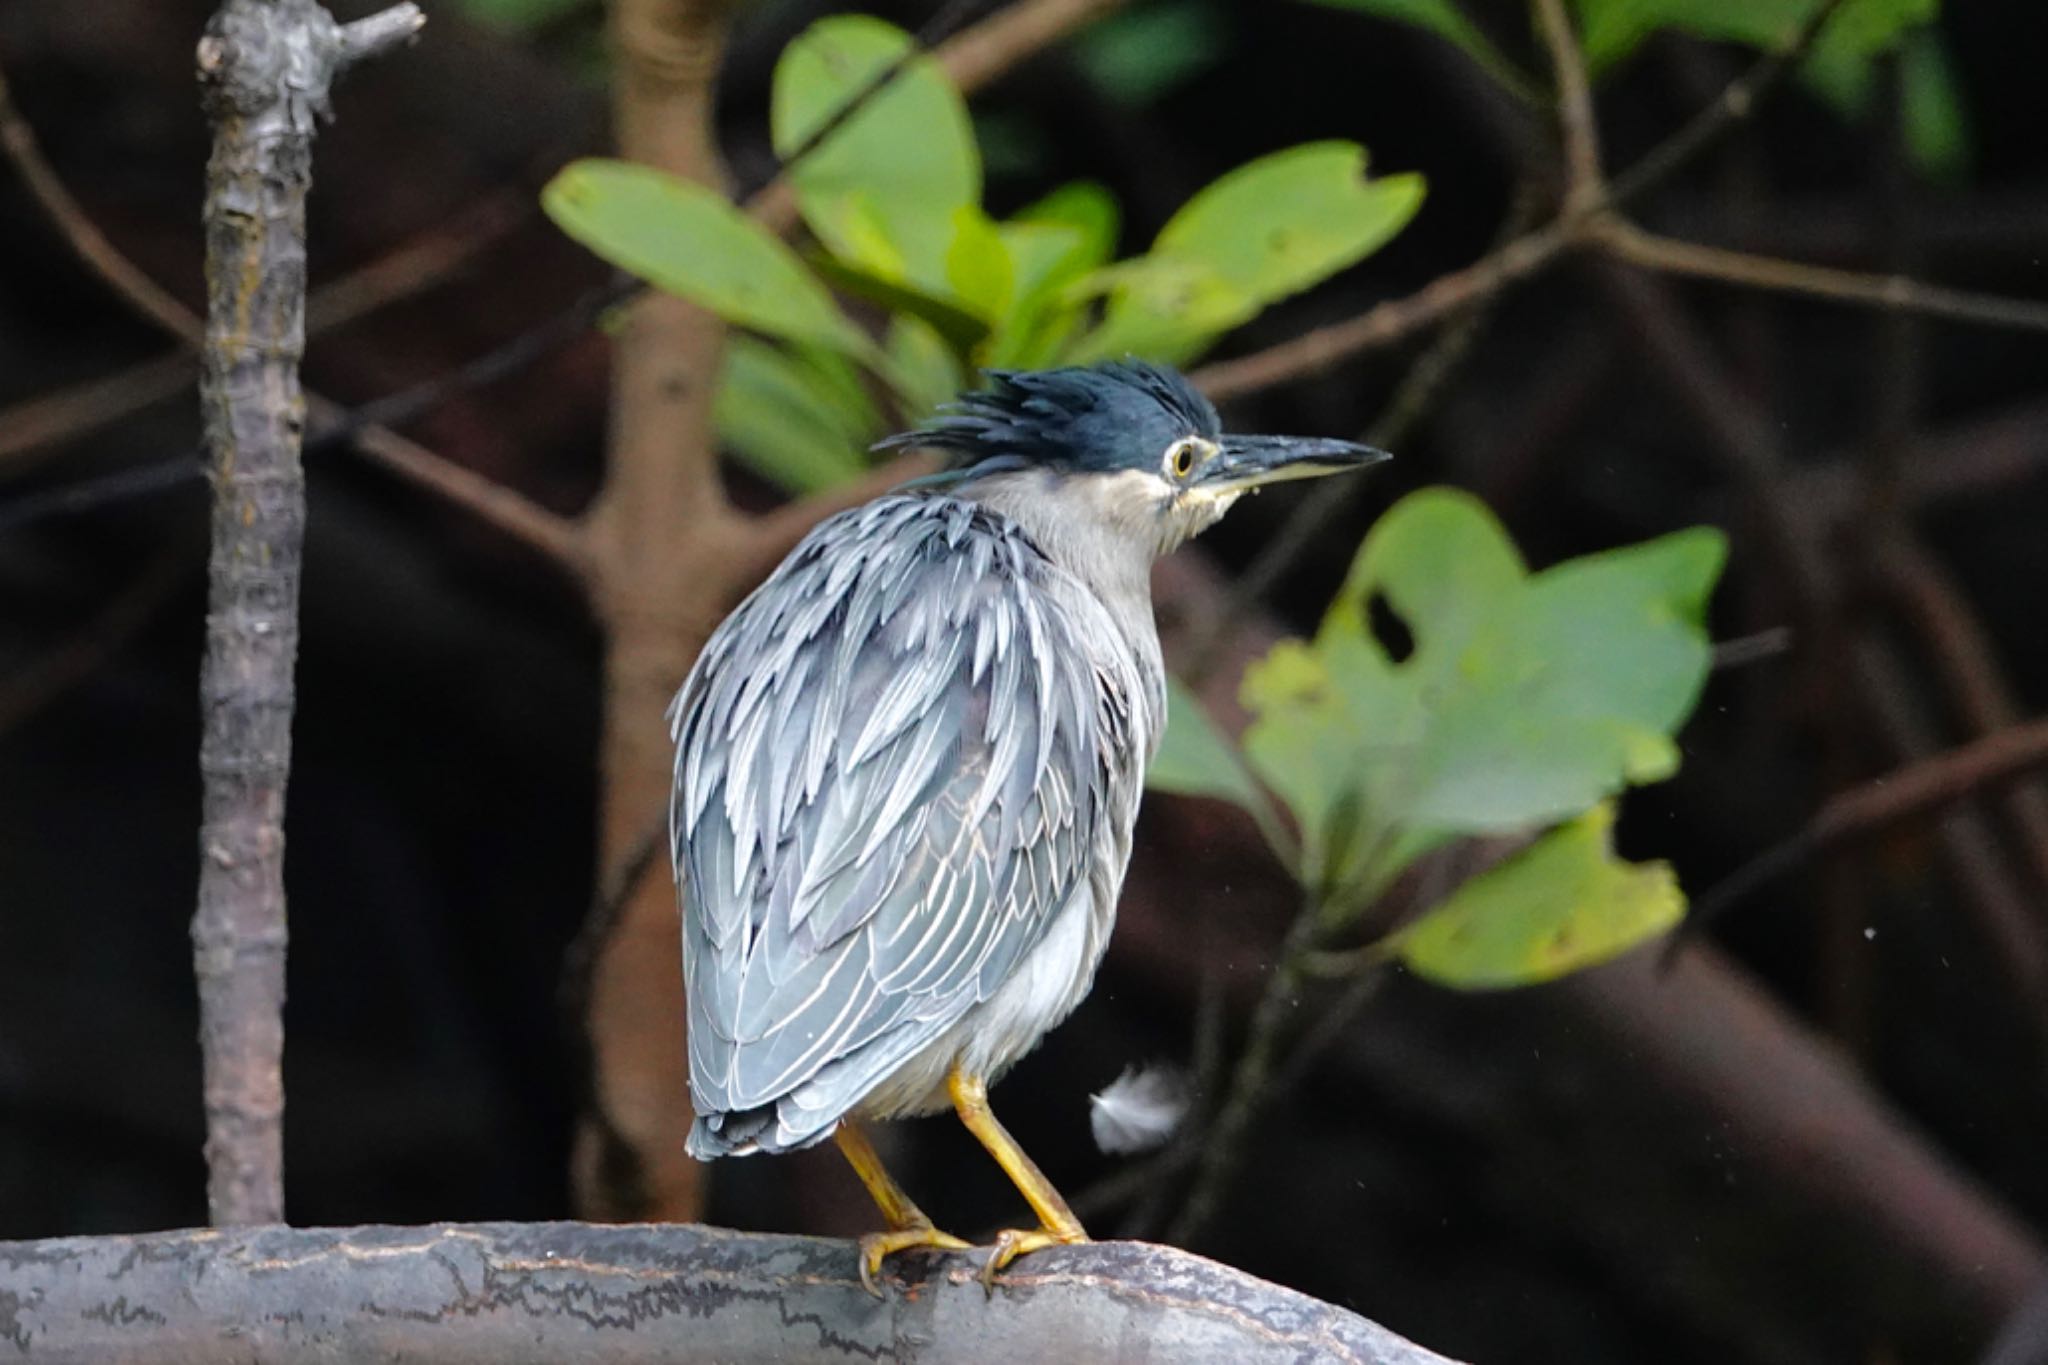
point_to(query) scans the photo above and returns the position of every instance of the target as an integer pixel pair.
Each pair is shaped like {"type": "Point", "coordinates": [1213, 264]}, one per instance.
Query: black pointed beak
{"type": "Point", "coordinates": [1247, 461]}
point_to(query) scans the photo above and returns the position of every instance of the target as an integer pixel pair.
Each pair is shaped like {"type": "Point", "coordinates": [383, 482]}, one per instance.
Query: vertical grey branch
{"type": "Point", "coordinates": [264, 71]}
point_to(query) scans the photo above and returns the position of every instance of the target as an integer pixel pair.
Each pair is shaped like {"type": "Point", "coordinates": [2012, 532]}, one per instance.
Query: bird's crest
{"type": "Point", "coordinates": [1115, 415]}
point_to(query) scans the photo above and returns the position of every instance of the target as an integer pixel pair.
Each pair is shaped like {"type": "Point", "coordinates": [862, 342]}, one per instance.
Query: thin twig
{"type": "Point", "coordinates": [503, 507]}
{"type": "Point", "coordinates": [558, 538]}
{"type": "Point", "coordinates": [510, 357]}
{"type": "Point", "coordinates": [1668, 256]}
{"type": "Point", "coordinates": [944, 22]}
{"type": "Point", "coordinates": [49, 420]}
{"type": "Point", "coordinates": [434, 257]}
{"type": "Point", "coordinates": [424, 263]}
{"type": "Point", "coordinates": [33, 685]}
{"type": "Point", "coordinates": [1921, 788]}
{"type": "Point", "coordinates": [1385, 323]}
{"type": "Point", "coordinates": [69, 217]}
{"type": "Point", "coordinates": [1961, 653]}
{"type": "Point", "coordinates": [1312, 516]}
{"type": "Point", "coordinates": [1394, 320]}
{"type": "Point", "coordinates": [1583, 187]}
{"type": "Point", "coordinates": [86, 495]}
{"type": "Point", "coordinates": [1223, 1143]}
{"type": "Point", "coordinates": [1737, 102]}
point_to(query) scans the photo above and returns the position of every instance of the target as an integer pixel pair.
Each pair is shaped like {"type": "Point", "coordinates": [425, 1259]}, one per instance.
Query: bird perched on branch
{"type": "Point", "coordinates": [907, 769]}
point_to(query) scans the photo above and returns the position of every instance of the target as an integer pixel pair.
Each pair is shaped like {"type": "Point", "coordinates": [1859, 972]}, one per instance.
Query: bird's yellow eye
{"type": "Point", "coordinates": [1181, 459]}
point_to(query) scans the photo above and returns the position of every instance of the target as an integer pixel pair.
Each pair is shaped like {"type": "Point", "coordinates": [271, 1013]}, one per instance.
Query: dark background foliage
{"type": "Point", "coordinates": [1502, 1178]}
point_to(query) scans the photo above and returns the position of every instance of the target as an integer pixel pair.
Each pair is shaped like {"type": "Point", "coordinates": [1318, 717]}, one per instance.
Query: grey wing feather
{"type": "Point", "coordinates": [888, 774]}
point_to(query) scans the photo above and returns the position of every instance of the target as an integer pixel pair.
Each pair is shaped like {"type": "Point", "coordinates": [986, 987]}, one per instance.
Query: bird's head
{"type": "Point", "coordinates": [1127, 442]}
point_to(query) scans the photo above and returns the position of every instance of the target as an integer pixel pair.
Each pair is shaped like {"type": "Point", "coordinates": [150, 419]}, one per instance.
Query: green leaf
{"type": "Point", "coordinates": [1139, 55]}
{"type": "Point", "coordinates": [1525, 699]}
{"type": "Point", "coordinates": [1161, 307]}
{"type": "Point", "coordinates": [1838, 66]}
{"type": "Point", "coordinates": [1046, 257]}
{"type": "Point", "coordinates": [1563, 903]}
{"type": "Point", "coordinates": [794, 419]}
{"type": "Point", "coordinates": [927, 371]}
{"type": "Point", "coordinates": [1938, 136]}
{"type": "Point", "coordinates": [1446, 20]}
{"type": "Point", "coordinates": [686, 239]}
{"type": "Point", "coordinates": [1194, 758]}
{"type": "Point", "coordinates": [906, 159]}
{"type": "Point", "coordinates": [978, 265]}
{"type": "Point", "coordinates": [1256, 235]}
{"type": "Point", "coordinates": [960, 329]}
{"type": "Point", "coordinates": [1277, 225]}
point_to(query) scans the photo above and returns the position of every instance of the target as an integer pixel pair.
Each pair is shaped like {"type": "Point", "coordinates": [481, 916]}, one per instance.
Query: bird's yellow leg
{"type": "Point", "coordinates": [1057, 1224]}
{"type": "Point", "coordinates": [908, 1225]}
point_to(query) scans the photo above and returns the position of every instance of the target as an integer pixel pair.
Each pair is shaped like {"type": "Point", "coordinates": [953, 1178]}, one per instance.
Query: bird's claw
{"type": "Point", "coordinates": [877, 1245]}
{"type": "Point", "coordinates": [1015, 1242]}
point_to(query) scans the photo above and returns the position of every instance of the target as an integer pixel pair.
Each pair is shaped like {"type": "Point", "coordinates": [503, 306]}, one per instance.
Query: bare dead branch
{"type": "Point", "coordinates": [69, 217]}
{"type": "Point", "coordinates": [1919, 789]}
{"type": "Point", "coordinates": [1961, 652]}
{"type": "Point", "coordinates": [556, 537]}
{"type": "Point", "coordinates": [1385, 323]}
{"type": "Point", "coordinates": [677, 1295]}
{"type": "Point", "coordinates": [1892, 293]}
{"type": "Point", "coordinates": [265, 67]}
{"type": "Point", "coordinates": [47, 421]}
{"type": "Point", "coordinates": [995, 46]}
{"type": "Point", "coordinates": [412, 268]}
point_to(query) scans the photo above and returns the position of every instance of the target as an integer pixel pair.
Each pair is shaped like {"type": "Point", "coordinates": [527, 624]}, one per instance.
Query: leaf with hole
{"type": "Point", "coordinates": [1561, 904]}
{"type": "Point", "coordinates": [1526, 697]}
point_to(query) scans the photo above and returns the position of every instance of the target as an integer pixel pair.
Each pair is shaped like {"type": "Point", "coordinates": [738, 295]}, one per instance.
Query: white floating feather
{"type": "Point", "coordinates": [1139, 1109]}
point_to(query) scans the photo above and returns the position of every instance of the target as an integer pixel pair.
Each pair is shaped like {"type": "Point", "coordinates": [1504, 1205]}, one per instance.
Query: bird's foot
{"type": "Point", "coordinates": [1015, 1242]}
{"type": "Point", "coordinates": [877, 1245]}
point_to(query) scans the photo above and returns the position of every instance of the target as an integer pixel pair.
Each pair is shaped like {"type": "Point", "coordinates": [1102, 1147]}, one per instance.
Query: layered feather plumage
{"type": "Point", "coordinates": [898, 763]}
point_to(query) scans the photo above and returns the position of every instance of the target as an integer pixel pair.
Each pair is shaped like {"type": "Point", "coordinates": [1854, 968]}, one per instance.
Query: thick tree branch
{"type": "Point", "coordinates": [264, 69]}
{"type": "Point", "coordinates": [662, 538]}
{"type": "Point", "coordinates": [675, 1295]}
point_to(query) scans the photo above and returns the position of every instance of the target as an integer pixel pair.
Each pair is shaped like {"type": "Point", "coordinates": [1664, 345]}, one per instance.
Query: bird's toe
{"type": "Point", "coordinates": [1016, 1242]}
{"type": "Point", "coordinates": [878, 1245]}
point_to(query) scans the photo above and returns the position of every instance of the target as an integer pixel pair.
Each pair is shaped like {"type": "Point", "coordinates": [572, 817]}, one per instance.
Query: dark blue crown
{"type": "Point", "coordinates": [1120, 414]}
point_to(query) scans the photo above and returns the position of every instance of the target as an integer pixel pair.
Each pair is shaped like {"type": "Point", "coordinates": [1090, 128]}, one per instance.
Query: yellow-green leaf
{"type": "Point", "coordinates": [1194, 758]}
{"type": "Point", "coordinates": [1257, 234]}
{"type": "Point", "coordinates": [790, 419]}
{"type": "Point", "coordinates": [1521, 699]}
{"type": "Point", "coordinates": [688, 240]}
{"type": "Point", "coordinates": [908, 152]}
{"type": "Point", "coordinates": [1563, 903]}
